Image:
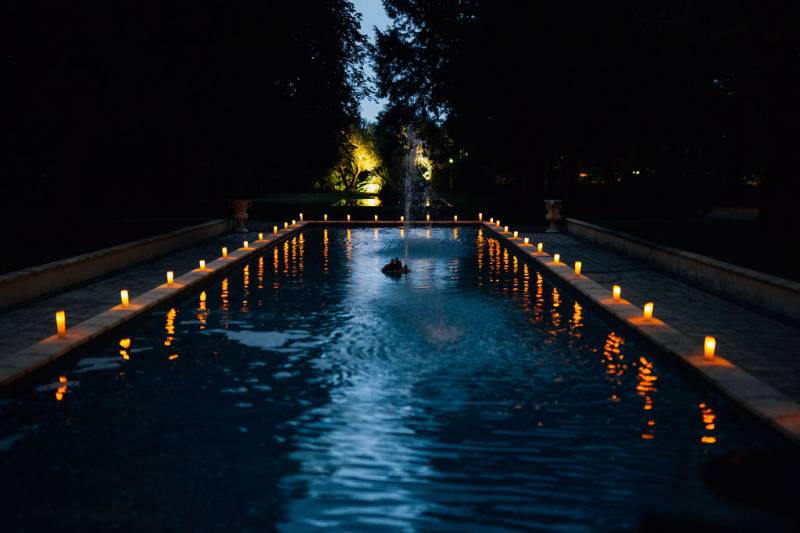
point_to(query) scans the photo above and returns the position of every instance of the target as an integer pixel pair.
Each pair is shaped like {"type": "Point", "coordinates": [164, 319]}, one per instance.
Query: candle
{"type": "Point", "coordinates": [647, 313]}
{"type": "Point", "coordinates": [616, 292]}
{"type": "Point", "coordinates": [540, 247]}
{"type": "Point", "coordinates": [246, 245]}
{"type": "Point", "coordinates": [516, 234]}
{"type": "Point", "coordinates": [376, 218]}
{"type": "Point", "coordinates": [525, 240]}
{"type": "Point", "coordinates": [709, 346]}
{"type": "Point", "coordinates": [480, 217]}
{"type": "Point", "coordinates": [61, 323]}
{"type": "Point", "coordinates": [578, 266]}
{"type": "Point", "coordinates": [402, 218]}
{"type": "Point", "coordinates": [348, 218]}
{"type": "Point", "coordinates": [556, 258]}
{"type": "Point", "coordinates": [123, 297]}
{"type": "Point", "coordinates": [455, 218]}
{"type": "Point", "coordinates": [274, 229]}
{"type": "Point", "coordinates": [301, 217]}
{"type": "Point", "coordinates": [169, 277]}
{"type": "Point", "coordinates": [260, 236]}
{"type": "Point", "coordinates": [224, 251]}
{"type": "Point", "coordinates": [202, 264]}
{"type": "Point", "coordinates": [497, 223]}
{"type": "Point", "coordinates": [428, 217]}
{"type": "Point", "coordinates": [491, 220]}
{"type": "Point", "coordinates": [325, 217]}
{"type": "Point", "coordinates": [294, 222]}
{"type": "Point", "coordinates": [505, 229]}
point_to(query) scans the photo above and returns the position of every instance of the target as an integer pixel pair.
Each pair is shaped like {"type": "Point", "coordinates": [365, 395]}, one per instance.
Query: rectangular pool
{"type": "Point", "coordinates": [308, 390]}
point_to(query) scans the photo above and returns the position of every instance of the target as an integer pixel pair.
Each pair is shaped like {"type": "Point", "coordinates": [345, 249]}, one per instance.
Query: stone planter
{"type": "Point", "coordinates": [552, 209]}
{"type": "Point", "coordinates": [240, 207]}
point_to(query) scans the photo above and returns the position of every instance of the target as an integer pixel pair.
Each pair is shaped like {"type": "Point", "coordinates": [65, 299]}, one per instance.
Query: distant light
{"type": "Point", "coordinates": [325, 217]}
{"type": "Point", "coordinates": [301, 217]}
{"type": "Point", "coordinates": [348, 218]}
{"type": "Point", "coordinates": [428, 217]}
{"type": "Point", "coordinates": [376, 218]}
{"type": "Point", "coordinates": [451, 160]}
{"type": "Point", "coordinates": [402, 218]}
{"type": "Point", "coordinates": [455, 218]}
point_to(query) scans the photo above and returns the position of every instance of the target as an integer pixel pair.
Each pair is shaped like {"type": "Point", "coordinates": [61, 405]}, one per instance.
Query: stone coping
{"type": "Point", "coordinates": [753, 395]}
{"type": "Point", "coordinates": [32, 282]}
{"type": "Point", "coordinates": [772, 293]}
{"type": "Point", "coordinates": [17, 365]}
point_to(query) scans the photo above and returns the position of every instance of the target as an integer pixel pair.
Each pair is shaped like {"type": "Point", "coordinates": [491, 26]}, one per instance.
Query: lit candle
{"type": "Point", "coordinates": [224, 251]}
{"type": "Point", "coordinates": [123, 297]}
{"type": "Point", "coordinates": [540, 247]}
{"type": "Point", "coordinates": [505, 229]}
{"type": "Point", "coordinates": [497, 223]}
{"type": "Point", "coordinates": [294, 222]}
{"type": "Point", "coordinates": [348, 218]}
{"type": "Point", "coordinates": [428, 217]}
{"type": "Point", "coordinates": [325, 217]}
{"type": "Point", "coordinates": [274, 229]}
{"type": "Point", "coordinates": [578, 266]}
{"type": "Point", "coordinates": [402, 218]}
{"type": "Point", "coordinates": [491, 220]}
{"type": "Point", "coordinates": [516, 234]}
{"type": "Point", "coordinates": [480, 217]}
{"type": "Point", "coordinates": [61, 323]}
{"type": "Point", "coordinates": [616, 292]}
{"type": "Point", "coordinates": [202, 264]}
{"type": "Point", "coordinates": [648, 310]}
{"type": "Point", "coordinates": [455, 218]}
{"type": "Point", "coordinates": [260, 236]}
{"type": "Point", "coordinates": [525, 241]}
{"type": "Point", "coordinates": [285, 225]}
{"type": "Point", "coordinates": [556, 258]}
{"type": "Point", "coordinates": [301, 217]}
{"type": "Point", "coordinates": [376, 218]}
{"type": "Point", "coordinates": [709, 346]}
{"type": "Point", "coordinates": [169, 277]}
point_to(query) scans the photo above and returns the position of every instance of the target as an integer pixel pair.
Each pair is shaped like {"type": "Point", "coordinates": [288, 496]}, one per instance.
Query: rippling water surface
{"type": "Point", "coordinates": [309, 390]}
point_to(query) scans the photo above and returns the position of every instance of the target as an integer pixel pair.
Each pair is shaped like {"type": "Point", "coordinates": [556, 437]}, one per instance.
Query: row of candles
{"type": "Point", "coordinates": [709, 344]}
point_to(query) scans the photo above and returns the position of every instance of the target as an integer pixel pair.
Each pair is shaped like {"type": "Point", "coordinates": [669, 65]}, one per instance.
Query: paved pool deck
{"type": "Point", "coordinates": [763, 346]}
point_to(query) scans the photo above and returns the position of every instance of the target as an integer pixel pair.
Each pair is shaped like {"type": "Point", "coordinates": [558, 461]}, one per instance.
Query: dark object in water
{"type": "Point", "coordinates": [395, 267]}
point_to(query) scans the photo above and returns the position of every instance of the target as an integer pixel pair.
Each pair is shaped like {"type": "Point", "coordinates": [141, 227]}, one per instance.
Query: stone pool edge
{"type": "Point", "coordinates": [16, 366]}
{"type": "Point", "coordinates": [748, 392]}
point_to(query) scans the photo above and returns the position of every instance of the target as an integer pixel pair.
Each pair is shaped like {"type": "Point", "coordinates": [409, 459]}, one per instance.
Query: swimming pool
{"type": "Point", "coordinates": [306, 389]}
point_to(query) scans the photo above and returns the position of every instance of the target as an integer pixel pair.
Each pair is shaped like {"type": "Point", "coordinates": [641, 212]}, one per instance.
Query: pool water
{"type": "Point", "coordinates": [308, 390]}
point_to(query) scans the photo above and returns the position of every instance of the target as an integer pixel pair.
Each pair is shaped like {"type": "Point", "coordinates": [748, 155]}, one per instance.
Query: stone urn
{"type": "Point", "coordinates": [240, 207]}
{"type": "Point", "coordinates": [552, 210]}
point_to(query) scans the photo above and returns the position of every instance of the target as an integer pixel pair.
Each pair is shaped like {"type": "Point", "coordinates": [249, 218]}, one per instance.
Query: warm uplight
{"type": "Point", "coordinates": [455, 218]}
{"type": "Point", "coordinates": [516, 234]}
{"type": "Point", "coordinates": [169, 277]}
{"type": "Point", "coordinates": [616, 292]}
{"type": "Point", "coordinates": [224, 251]}
{"type": "Point", "coordinates": [648, 310]}
{"type": "Point", "coordinates": [709, 346]}
{"type": "Point", "coordinates": [540, 247]}
{"type": "Point", "coordinates": [578, 266]}
{"type": "Point", "coordinates": [480, 217]}
{"type": "Point", "coordinates": [301, 217]}
{"type": "Point", "coordinates": [275, 229]}
{"type": "Point", "coordinates": [325, 217]}
{"type": "Point", "coordinates": [202, 264]}
{"type": "Point", "coordinates": [556, 258]}
{"type": "Point", "coordinates": [260, 236]}
{"type": "Point", "coordinates": [525, 241]}
{"type": "Point", "coordinates": [123, 297]}
{"type": "Point", "coordinates": [61, 323]}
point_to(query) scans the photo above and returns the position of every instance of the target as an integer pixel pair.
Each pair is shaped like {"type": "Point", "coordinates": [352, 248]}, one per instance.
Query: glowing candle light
{"type": "Point", "coordinates": [497, 223]}
{"type": "Point", "coordinates": [516, 234]}
{"type": "Point", "coordinates": [709, 345]}
{"type": "Point", "coordinates": [647, 313]}
{"type": "Point", "coordinates": [376, 218]}
{"type": "Point", "coordinates": [505, 229]}
{"type": "Point", "coordinates": [274, 229]}
{"type": "Point", "coordinates": [285, 225]}
{"type": "Point", "coordinates": [202, 264]}
{"type": "Point", "coordinates": [123, 297]}
{"type": "Point", "coordinates": [260, 236]}
{"type": "Point", "coordinates": [246, 244]}
{"type": "Point", "coordinates": [480, 217]}
{"type": "Point", "coordinates": [294, 222]}
{"type": "Point", "coordinates": [455, 218]}
{"type": "Point", "coordinates": [578, 266]}
{"type": "Point", "coordinates": [428, 217]}
{"type": "Point", "coordinates": [203, 296]}
{"type": "Point", "coordinates": [540, 247]}
{"type": "Point", "coordinates": [556, 258]}
{"type": "Point", "coordinates": [224, 251]}
{"type": "Point", "coordinates": [325, 217]}
{"type": "Point", "coordinates": [301, 217]}
{"type": "Point", "coordinates": [616, 292]}
{"type": "Point", "coordinates": [169, 277]}
{"type": "Point", "coordinates": [61, 323]}
{"type": "Point", "coordinates": [402, 218]}
{"type": "Point", "coordinates": [525, 241]}
{"type": "Point", "coordinates": [491, 220]}
{"type": "Point", "coordinates": [348, 218]}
